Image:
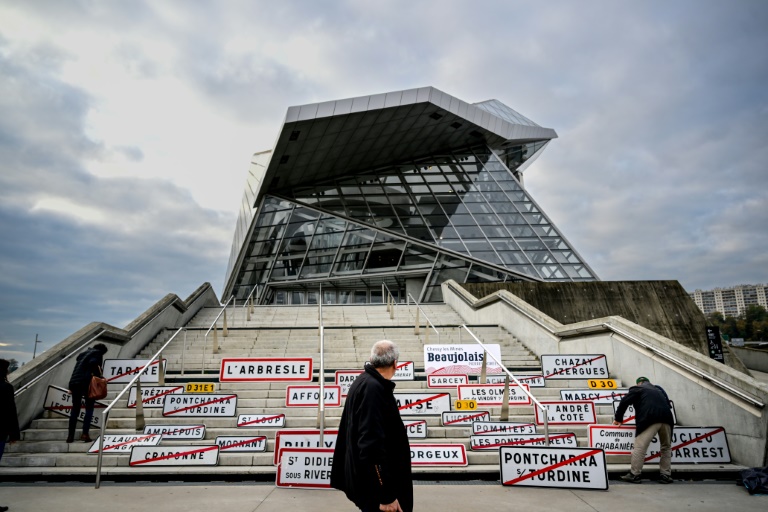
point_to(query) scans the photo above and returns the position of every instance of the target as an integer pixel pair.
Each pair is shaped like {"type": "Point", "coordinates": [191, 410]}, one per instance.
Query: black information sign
{"type": "Point", "coordinates": [715, 344]}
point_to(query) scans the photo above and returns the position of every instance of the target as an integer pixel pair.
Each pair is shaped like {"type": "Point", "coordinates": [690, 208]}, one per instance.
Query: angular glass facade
{"type": "Point", "coordinates": [460, 213]}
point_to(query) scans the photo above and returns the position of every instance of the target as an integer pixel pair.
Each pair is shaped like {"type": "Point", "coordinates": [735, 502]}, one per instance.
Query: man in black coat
{"type": "Point", "coordinates": [88, 364]}
{"type": "Point", "coordinates": [372, 459]}
{"type": "Point", "coordinates": [652, 416]}
{"type": "Point", "coordinates": [9, 421]}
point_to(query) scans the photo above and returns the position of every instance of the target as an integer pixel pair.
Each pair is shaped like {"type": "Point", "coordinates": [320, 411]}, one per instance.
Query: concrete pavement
{"type": "Point", "coordinates": [705, 496]}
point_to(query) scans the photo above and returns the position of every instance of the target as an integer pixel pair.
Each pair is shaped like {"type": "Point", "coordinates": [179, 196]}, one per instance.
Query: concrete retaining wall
{"type": "Point", "coordinates": [698, 401]}
{"type": "Point", "coordinates": [752, 358]}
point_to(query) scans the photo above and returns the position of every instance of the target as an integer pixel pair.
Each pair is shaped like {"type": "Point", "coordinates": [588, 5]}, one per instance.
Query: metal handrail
{"type": "Point", "coordinates": [105, 415]}
{"type": "Point", "coordinates": [247, 300]}
{"type": "Point", "coordinates": [418, 306]}
{"type": "Point", "coordinates": [205, 339]}
{"type": "Point", "coordinates": [387, 296]}
{"type": "Point", "coordinates": [321, 372]}
{"type": "Point", "coordinates": [49, 370]}
{"type": "Point", "coordinates": [533, 399]}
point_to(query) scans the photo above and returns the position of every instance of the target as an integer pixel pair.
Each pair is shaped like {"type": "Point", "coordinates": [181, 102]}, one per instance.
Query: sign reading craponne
{"type": "Point", "coordinates": [574, 366]}
{"type": "Point", "coordinates": [192, 455]}
{"type": "Point", "coordinates": [465, 358]}
{"type": "Point", "coordinates": [305, 467]}
{"type": "Point", "coordinates": [566, 468]}
{"type": "Point", "coordinates": [265, 369]}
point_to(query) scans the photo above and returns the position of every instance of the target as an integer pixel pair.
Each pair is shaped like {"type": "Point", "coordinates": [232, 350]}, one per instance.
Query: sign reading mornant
{"type": "Point", "coordinates": [493, 394]}
{"type": "Point", "coordinates": [177, 432]}
{"type": "Point", "coordinates": [567, 468]}
{"type": "Point", "coordinates": [242, 443]}
{"type": "Point", "coordinates": [574, 366]}
{"type": "Point", "coordinates": [466, 359]}
{"type": "Point", "coordinates": [266, 369]}
{"type": "Point", "coordinates": [305, 467]}
{"type": "Point", "coordinates": [309, 396]}
{"type": "Point", "coordinates": [59, 400]}
{"type": "Point", "coordinates": [192, 455]}
{"type": "Point", "coordinates": [123, 370]}
{"type": "Point", "coordinates": [194, 405]}
{"type": "Point", "coordinates": [567, 413]}
{"type": "Point", "coordinates": [423, 404]}
{"type": "Point", "coordinates": [152, 396]}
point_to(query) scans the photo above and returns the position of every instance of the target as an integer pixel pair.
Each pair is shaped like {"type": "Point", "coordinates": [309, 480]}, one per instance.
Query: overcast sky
{"type": "Point", "coordinates": [126, 129]}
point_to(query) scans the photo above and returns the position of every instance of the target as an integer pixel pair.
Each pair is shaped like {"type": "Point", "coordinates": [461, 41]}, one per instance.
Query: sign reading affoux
{"type": "Point", "coordinates": [266, 369]}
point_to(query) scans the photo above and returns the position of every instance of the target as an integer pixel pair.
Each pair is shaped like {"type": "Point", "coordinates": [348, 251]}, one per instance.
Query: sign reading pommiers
{"type": "Point", "coordinates": [260, 420]}
{"type": "Point", "coordinates": [152, 396]}
{"type": "Point", "coordinates": [193, 405]}
{"type": "Point", "coordinates": [192, 455]}
{"type": "Point", "coordinates": [404, 371]}
{"type": "Point", "coordinates": [502, 427]}
{"type": "Point", "coordinates": [177, 432]}
{"type": "Point", "coordinates": [466, 359]}
{"type": "Point", "coordinates": [119, 444]}
{"type": "Point", "coordinates": [242, 443]}
{"type": "Point", "coordinates": [567, 413]}
{"type": "Point", "coordinates": [265, 369]}
{"type": "Point", "coordinates": [596, 396]}
{"type": "Point", "coordinates": [446, 381]}
{"type": "Point", "coordinates": [493, 394]}
{"type": "Point", "coordinates": [423, 404]}
{"type": "Point", "coordinates": [495, 441]}
{"type": "Point", "coordinates": [345, 378]}
{"type": "Point", "coordinates": [123, 370]}
{"type": "Point", "coordinates": [457, 418]}
{"type": "Point", "coordinates": [305, 467]}
{"type": "Point", "coordinates": [578, 366]}
{"type": "Point", "coordinates": [309, 396]}
{"type": "Point", "coordinates": [438, 454]}
{"type": "Point", "coordinates": [567, 468]}
{"type": "Point", "coordinates": [299, 438]}
{"type": "Point", "coordinates": [59, 400]}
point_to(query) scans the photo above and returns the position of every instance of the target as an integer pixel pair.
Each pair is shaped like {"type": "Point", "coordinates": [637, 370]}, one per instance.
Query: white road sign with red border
{"type": "Point", "coordinates": [567, 413]}
{"type": "Point", "coordinates": [260, 420]}
{"type": "Point", "coordinates": [242, 443]}
{"type": "Point", "coordinates": [423, 404]}
{"type": "Point", "coordinates": [191, 455]}
{"type": "Point", "coordinates": [345, 378]}
{"type": "Point", "coordinates": [565, 468]}
{"type": "Point", "coordinates": [300, 438]}
{"type": "Point", "coordinates": [265, 369]}
{"type": "Point", "coordinates": [447, 381]}
{"type": "Point", "coordinates": [597, 396]}
{"type": "Point", "coordinates": [309, 396]}
{"type": "Point", "coordinates": [124, 370]}
{"type": "Point", "coordinates": [59, 400]}
{"type": "Point", "coordinates": [416, 429]}
{"type": "Point", "coordinates": [495, 441]}
{"type": "Point", "coordinates": [197, 405]}
{"type": "Point", "coordinates": [305, 467]}
{"type": "Point", "coordinates": [120, 444]}
{"type": "Point", "coordinates": [177, 432]}
{"type": "Point", "coordinates": [438, 454]}
{"type": "Point", "coordinates": [574, 366]}
{"type": "Point", "coordinates": [152, 396]}
{"type": "Point", "coordinates": [404, 371]}
{"type": "Point", "coordinates": [503, 427]}
{"type": "Point", "coordinates": [493, 394]}
{"type": "Point", "coordinates": [457, 419]}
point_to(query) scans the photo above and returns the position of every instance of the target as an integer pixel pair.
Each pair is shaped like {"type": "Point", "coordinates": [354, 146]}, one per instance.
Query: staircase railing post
{"type": "Point", "coordinates": [483, 368]}
{"type": "Point", "coordinates": [161, 371]}
{"type": "Point", "coordinates": [140, 422]}
{"type": "Point", "coordinates": [183, 351]}
{"type": "Point", "coordinates": [215, 340]}
{"type": "Point", "coordinates": [224, 329]}
{"type": "Point", "coordinates": [417, 326]}
{"type": "Point", "coordinates": [505, 400]}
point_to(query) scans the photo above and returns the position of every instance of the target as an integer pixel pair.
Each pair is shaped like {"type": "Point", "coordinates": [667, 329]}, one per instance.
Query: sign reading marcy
{"type": "Point", "coordinates": [423, 404]}
{"type": "Point", "coordinates": [303, 439]}
{"type": "Point", "coordinates": [416, 429]}
{"type": "Point", "coordinates": [404, 371]}
{"type": "Point", "coordinates": [309, 396]}
{"type": "Point", "coordinates": [466, 359]}
{"type": "Point", "coordinates": [242, 443]}
{"type": "Point", "coordinates": [260, 420]}
{"type": "Point", "coordinates": [533, 381]}
{"type": "Point", "coordinates": [59, 400]}
{"type": "Point", "coordinates": [305, 467]}
{"type": "Point", "coordinates": [123, 370]}
{"type": "Point", "coordinates": [574, 366]}
{"type": "Point", "coordinates": [193, 455]}
{"type": "Point", "coordinates": [446, 381]}
{"type": "Point", "coordinates": [694, 445]}
{"type": "Point", "coordinates": [495, 441]}
{"type": "Point", "coordinates": [493, 394]}
{"type": "Point", "coordinates": [457, 418]}
{"type": "Point", "coordinates": [629, 413]}
{"type": "Point", "coordinates": [596, 396]}
{"type": "Point", "coordinates": [438, 454]}
{"type": "Point", "coordinates": [567, 468]}
{"type": "Point", "coordinates": [152, 396]}
{"type": "Point", "coordinates": [177, 432]}
{"type": "Point", "coordinates": [266, 369]}
{"type": "Point", "coordinates": [567, 413]}
{"type": "Point", "coordinates": [502, 427]}
{"type": "Point", "coordinates": [345, 378]}
{"type": "Point", "coordinates": [200, 405]}
{"type": "Point", "coordinates": [119, 444]}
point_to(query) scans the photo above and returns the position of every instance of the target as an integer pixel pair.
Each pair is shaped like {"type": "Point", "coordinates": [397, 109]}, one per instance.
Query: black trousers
{"type": "Point", "coordinates": [77, 399]}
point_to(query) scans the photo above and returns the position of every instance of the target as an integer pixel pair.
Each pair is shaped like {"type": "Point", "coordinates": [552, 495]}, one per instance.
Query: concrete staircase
{"type": "Point", "coordinates": [285, 331]}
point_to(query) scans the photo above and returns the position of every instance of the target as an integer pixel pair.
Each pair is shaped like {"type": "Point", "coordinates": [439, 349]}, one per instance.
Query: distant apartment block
{"type": "Point", "coordinates": [731, 301]}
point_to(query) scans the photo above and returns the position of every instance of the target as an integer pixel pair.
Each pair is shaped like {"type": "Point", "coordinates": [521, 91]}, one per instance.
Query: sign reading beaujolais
{"type": "Point", "coordinates": [152, 396]}
{"type": "Point", "coordinates": [465, 358]}
{"type": "Point", "coordinates": [566, 468]}
{"type": "Point", "coordinates": [59, 400]}
{"type": "Point", "coordinates": [574, 366]}
{"type": "Point", "coordinates": [423, 404]}
{"type": "Point", "coordinates": [305, 467]}
{"type": "Point", "coordinates": [194, 405]}
{"type": "Point", "coordinates": [265, 369]}
{"type": "Point", "coordinates": [567, 413]}
{"type": "Point", "coordinates": [177, 432]}
{"type": "Point", "coordinates": [124, 370]}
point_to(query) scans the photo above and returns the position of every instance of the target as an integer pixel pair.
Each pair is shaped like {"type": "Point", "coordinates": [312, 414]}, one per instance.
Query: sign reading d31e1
{"type": "Point", "coordinates": [566, 468]}
{"type": "Point", "coordinates": [574, 366]}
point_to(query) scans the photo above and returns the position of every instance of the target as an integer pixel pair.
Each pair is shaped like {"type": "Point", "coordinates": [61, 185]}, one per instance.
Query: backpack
{"type": "Point", "coordinates": [755, 480]}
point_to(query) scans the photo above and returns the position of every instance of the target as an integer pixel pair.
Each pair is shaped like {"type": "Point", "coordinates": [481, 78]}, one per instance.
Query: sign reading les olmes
{"type": "Point", "coordinates": [463, 359]}
{"type": "Point", "coordinates": [266, 369]}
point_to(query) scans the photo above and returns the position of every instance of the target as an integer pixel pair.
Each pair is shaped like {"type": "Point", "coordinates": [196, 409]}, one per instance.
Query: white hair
{"type": "Point", "coordinates": [384, 353]}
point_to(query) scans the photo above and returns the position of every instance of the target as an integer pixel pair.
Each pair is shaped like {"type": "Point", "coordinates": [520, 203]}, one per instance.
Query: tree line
{"type": "Point", "coordinates": [752, 325]}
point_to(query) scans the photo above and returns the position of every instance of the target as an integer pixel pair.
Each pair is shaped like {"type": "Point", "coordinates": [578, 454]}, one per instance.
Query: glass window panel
{"type": "Point", "coordinates": [495, 232]}
{"type": "Point", "coordinates": [311, 297]}
{"type": "Point", "coordinates": [469, 232]}
{"type": "Point", "coordinates": [477, 245]}
{"type": "Point", "coordinates": [361, 297]}
{"type": "Point", "coordinates": [535, 218]}
{"type": "Point", "coordinates": [542, 257]}
{"type": "Point", "coordinates": [518, 231]}
{"type": "Point", "coordinates": [376, 296]}
{"type": "Point", "coordinates": [297, 297]}
{"type": "Point", "coordinates": [488, 256]}
{"type": "Point", "coordinates": [441, 188]}
{"type": "Point", "coordinates": [463, 220]}
{"type": "Point", "coordinates": [556, 243]}
{"type": "Point", "coordinates": [487, 219]}
{"type": "Point", "coordinates": [544, 230]}
{"type": "Point", "coordinates": [417, 257]}
{"type": "Point", "coordinates": [532, 244]}
{"type": "Point", "coordinates": [452, 245]}
{"type": "Point", "coordinates": [513, 257]}
{"type": "Point", "coordinates": [479, 208]}
{"type": "Point", "coordinates": [329, 297]}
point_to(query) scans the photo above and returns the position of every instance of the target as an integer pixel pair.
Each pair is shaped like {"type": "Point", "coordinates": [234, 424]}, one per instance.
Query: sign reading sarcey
{"type": "Point", "coordinates": [446, 381]}
{"type": "Point", "coordinates": [59, 400]}
{"type": "Point", "coordinates": [299, 438]}
{"type": "Point", "coordinates": [309, 396]}
{"type": "Point", "coordinates": [305, 467]}
{"type": "Point", "coordinates": [119, 444]}
{"type": "Point", "coordinates": [423, 404]}
{"type": "Point", "coordinates": [493, 394]}
{"type": "Point", "coordinates": [438, 454]}
{"type": "Point", "coordinates": [199, 405]}
{"type": "Point", "coordinates": [540, 466]}
{"type": "Point", "coordinates": [466, 359]}
{"type": "Point", "coordinates": [570, 366]}
{"type": "Point", "coordinates": [152, 396]}
{"type": "Point", "coordinates": [192, 455]}
{"type": "Point", "coordinates": [123, 370]}
{"type": "Point", "coordinates": [265, 369]}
